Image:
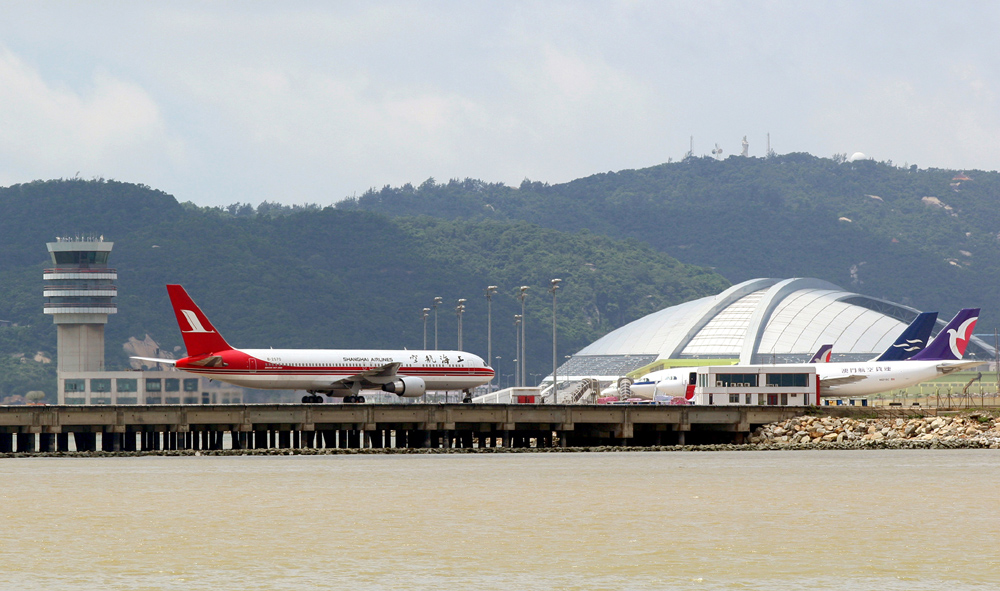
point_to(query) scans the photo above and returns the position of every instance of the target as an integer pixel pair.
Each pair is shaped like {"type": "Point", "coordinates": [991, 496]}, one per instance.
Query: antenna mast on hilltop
{"type": "Point", "coordinates": [690, 153]}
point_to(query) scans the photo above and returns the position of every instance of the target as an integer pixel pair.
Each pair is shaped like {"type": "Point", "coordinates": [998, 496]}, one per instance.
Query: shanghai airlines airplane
{"type": "Point", "coordinates": [942, 356]}
{"type": "Point", "coordinates": [334, 372]}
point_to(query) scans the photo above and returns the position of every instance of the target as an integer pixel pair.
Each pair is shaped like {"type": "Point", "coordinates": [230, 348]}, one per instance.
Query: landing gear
{"type": "Point", "coordinates": [467, 399]}
{"type": "Point", "coordinates": [312, 399]}
{"type": "Point", "coordinates": [354, 399]}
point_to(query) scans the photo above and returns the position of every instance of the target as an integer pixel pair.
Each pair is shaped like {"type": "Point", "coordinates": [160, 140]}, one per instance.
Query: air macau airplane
{"type": "Point", "coordinates": [896, 368]}
{"type": "Point", "coordinates": [333, 372]}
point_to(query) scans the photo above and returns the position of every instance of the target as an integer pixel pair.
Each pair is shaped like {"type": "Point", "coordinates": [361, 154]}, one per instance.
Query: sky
{"type": "Point", "coordinates": [312, 102]}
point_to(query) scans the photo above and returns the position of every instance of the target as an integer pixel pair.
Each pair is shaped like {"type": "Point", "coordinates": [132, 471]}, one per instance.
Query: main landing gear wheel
{"type": "Point", "coordinates": [312, 399]}
{"type": "Point", "coordinates": [468, 398]}
{"type": "Point", "coordinates": [354, 399]}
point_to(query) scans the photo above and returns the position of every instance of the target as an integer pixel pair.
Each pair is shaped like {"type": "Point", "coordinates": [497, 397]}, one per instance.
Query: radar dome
{"type": "Point", "coordinates": [857, 156]}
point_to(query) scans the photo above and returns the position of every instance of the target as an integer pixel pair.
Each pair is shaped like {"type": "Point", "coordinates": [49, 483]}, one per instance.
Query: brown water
{"type": "Point", "coordinates": [720, 520]}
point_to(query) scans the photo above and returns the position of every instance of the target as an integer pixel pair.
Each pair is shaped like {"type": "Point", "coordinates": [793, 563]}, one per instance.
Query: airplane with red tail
{"type": "Point", "coordinates": [341, 373]}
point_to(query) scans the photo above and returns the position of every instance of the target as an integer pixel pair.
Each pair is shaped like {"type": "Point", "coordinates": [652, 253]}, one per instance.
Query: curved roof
{"type": "Point", "coordinates": [761, 319]}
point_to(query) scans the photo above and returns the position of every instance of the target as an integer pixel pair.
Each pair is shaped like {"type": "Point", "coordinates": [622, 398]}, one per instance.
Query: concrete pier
{"type": "Point", "coordinates": [32, 429]}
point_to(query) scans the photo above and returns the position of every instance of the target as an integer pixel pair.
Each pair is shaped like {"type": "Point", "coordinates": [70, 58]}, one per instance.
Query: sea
{"type": "Point", "coordinates": [877, 519]}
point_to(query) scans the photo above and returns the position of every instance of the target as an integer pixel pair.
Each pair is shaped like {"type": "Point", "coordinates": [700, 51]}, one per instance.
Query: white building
{"type": "Point", "coordinates": [751, 385]}
{"type": "Point", "coordinates": [143, 387]}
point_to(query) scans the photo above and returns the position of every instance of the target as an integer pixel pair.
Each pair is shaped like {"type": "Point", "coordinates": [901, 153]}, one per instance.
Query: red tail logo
{"type": "Point", "coordinates": [959, 343]}
{"type": "Point", "coordinates": [200, 337]}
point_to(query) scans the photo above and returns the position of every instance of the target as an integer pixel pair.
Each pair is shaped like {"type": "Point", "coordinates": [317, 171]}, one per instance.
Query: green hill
{"type": "Point", "coordinates": [910, 235]}
{"type": "Point", "coordinates": [310, 277]}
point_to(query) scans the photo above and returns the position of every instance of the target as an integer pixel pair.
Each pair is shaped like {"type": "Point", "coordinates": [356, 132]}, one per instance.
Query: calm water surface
{"type": "Point", "coordinates": [741, 520]}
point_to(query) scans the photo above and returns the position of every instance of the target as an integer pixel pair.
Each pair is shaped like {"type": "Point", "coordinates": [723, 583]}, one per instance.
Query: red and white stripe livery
{"type": "Point", "coordinates": [334, 372]}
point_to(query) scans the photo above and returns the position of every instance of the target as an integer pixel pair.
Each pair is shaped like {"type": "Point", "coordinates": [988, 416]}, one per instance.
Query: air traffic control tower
{"type": "Point", "coordinates": [78, 294]}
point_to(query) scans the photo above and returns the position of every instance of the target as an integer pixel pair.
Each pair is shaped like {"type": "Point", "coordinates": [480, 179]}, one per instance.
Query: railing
{"type": "Point", "coordinates": [108, 287]}
{"type": "Point", "coordinates": [61, 305]}
{"type": "Point", "coordinates": [80, 270]}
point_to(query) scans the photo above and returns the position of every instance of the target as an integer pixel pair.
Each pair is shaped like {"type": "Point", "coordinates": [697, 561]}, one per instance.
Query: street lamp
{"type": "Point", "coordinates": [521, 353]}
{"type": "Point", "coordinates": [496, 369]}
{"type": "Point", "coordinates": [437, 301]}
{"type": "Point", "coordinates": [490, 290]}
{"type": "Point", "coordinates": [424, 316]}
{"type": "Point", "coordinates": [458, 311]}
{"type": "Point", "coordinates": [555, 380]}
{"type": "Point", "coordinates": [517, 355]}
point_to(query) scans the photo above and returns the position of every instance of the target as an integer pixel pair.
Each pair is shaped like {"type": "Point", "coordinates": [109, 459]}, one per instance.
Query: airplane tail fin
{"type": "Point", "coordinates": [200, 337]}
{"type": "Point", "coordinates": [823, 355]}
{"type": "Point", "coordinates": [951, 342]}
{"type": "Point", "coordinates": [913, 339]}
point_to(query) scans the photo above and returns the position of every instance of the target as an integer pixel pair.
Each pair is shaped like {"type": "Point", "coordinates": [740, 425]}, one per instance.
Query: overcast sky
{"type": "Point", "coordinates": [311, 102]}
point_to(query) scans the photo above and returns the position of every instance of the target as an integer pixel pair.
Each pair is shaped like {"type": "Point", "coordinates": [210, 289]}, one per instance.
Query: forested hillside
{"type": "Point", "coordinates": [916, 236]}
{"type": "Point", "coordinates": [359, 274]}
{"type": "Point", "coordinates": [311, 277]}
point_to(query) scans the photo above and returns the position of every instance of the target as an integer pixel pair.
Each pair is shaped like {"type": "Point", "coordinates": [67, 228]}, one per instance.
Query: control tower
{"type": "Point", "coordinates": [78, 294]}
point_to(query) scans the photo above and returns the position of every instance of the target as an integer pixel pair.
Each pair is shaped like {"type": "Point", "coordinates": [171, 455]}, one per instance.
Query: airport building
{"type": "Point", "coordinates": [79, 295]}
{"type": "Point", "coordinates": [757, 321]}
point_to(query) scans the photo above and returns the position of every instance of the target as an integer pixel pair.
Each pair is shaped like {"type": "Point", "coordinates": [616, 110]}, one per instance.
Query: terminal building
{"type": "Point", "coordinates": [757, 321]}
{"type": "Point", "coordinates": [79, 295]}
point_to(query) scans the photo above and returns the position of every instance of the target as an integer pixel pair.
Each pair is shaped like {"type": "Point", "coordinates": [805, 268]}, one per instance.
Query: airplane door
{"type": "Point", "coordinates": [253, 365]}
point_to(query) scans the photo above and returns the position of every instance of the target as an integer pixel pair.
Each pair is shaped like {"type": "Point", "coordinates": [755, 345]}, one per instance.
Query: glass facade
{"type": "Point", "coordinates": [100, 385]}
{"type": "Point", "coordinates": [74, 385]}
{"type": "Point", "coordinates": [80, 258]}
{"type": "Point", "coordinates": [788, 380]}
{"type": "Point", "coordinates": [154, 385]}
{"type": "Point", "coordinates": [191, 384]}
{"type": "Point", "coordinates": [126, 384]}
{"type": "Point", "coordinates": [171, 385]}
{"type": "Point", "coordinates": [726, 380]}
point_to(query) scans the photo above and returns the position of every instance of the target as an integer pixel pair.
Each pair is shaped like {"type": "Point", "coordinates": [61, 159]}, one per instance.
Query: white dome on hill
{"type": "Point", "coordinates": [857, 156]}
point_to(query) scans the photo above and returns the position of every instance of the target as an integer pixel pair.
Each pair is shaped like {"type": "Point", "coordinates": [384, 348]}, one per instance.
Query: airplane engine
{"type": "Point", "coordinates": [406, 386]}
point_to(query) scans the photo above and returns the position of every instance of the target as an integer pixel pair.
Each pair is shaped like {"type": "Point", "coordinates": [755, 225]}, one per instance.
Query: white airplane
{"type": "Point", "coordinates": [863, 378]}
{"type": "Point", "coordinates": [646, 386]}
{"type": "Point", "coordinates": [333, 372]}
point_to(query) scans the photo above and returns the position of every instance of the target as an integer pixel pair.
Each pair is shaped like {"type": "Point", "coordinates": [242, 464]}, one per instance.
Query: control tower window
{"type": "Point", "coordinates": [76, 257]}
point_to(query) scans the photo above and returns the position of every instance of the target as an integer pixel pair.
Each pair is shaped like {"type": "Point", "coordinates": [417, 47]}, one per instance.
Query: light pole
{"type": "Point", "coordinates": [496, 368]}
{"type": "Point", "coordinates": [458, 311]}
{"type": "Point", "coordinates": [492, 289]}
{"type": "Point", "coordinates": [424, 316]}
{"type": "Point", "coordinates": [437, 301]}
{"type": "Point", "coordinates": [555, 380]}
{"type": "Point", "coordinates": [517, 355]}
{"type": "Point", "coordinates": [521, 353]}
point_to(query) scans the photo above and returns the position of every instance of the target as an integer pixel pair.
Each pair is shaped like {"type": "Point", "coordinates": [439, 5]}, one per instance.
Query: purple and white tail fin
{"type": "Point", "coordinates": [823, 355]}
{"type": "Point", "coordinates": [951, 342]}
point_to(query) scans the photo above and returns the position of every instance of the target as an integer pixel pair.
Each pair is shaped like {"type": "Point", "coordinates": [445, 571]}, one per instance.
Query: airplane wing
{"type": "Point", "coordinates": [953, 367]}
{"type": "Point", "coordinates": [154, 360]}
{"type": "Point", "coordinates": [840, 380]}
{"type": "Point", "coordinates": [377, 376]}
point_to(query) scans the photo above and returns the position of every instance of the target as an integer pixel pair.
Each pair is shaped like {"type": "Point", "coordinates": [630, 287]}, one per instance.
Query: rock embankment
{"type": "Point", "coordinates": [974, 430]}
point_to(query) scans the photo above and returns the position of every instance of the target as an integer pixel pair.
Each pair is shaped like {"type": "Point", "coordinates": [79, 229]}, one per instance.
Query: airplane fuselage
{"type": "Point", "coordinates": [878, 376]}
{"type": "Point", "coordinates": [318, 369]}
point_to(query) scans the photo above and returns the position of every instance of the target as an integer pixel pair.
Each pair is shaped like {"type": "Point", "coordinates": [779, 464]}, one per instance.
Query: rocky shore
{"type": "Point", "coordinates": [972, 430]}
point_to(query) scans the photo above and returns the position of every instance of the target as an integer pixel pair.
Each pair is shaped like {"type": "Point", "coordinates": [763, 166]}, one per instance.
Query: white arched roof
{"type": "Point", "coordinates": [761, 318]}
